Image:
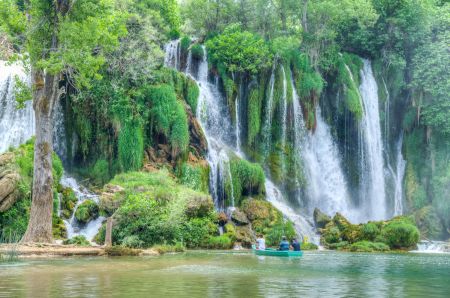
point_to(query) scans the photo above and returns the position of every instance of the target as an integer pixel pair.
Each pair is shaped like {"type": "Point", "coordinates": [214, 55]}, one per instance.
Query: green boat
{"type": "Point", "coordinates": [277, 253]}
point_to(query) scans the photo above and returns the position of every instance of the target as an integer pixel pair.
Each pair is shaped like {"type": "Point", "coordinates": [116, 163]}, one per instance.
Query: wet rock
{"type": "Point", "coordinates": [222, 218]}
{"type": "Point", "coordinates": [8, 190]}
{"type": "Point", "coordinates": [320, 218]}
{"type": "Point", "coordinates": [110, 199]}
{"type": "Point", "coordinates": [239, 217]}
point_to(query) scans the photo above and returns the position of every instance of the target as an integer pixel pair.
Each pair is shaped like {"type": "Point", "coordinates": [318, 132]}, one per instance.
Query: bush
{"type": "Point", "coordinates": [332, 235]}
{"type": "Point", "coordinates": [192, 94]}
{"type": "Point", "coordinates": [195, 176]}
{"type": "Point", "coordinates": [197, 51]}
{"type": "Point", "coordinates": [367, 246]}
{"type": "Point", "coordinates": [86, 211]}
{"type": "Point", "coordinates": [369, 231]}
{"type": "Point", "coordinates": [165, 248]}
{"type": "Point", "coordinates": [275, 234]}
{"type": "Point", "coordinates": [132, 241]}
{"type": "Point", "coordinates": [100, 172]}
{"type": "Point", "coordinates": [309, 246]}
{"type": "Point", "coordinates": [338, 245]}
{"type": "Point", "coordinates": [219, 242]}
{"type": "Point", "coordinates": [400, 234]}
{"type": "Point", "coordinates": [131, 146]}
{"type": "Point", "coordinates": [78, 241]}
{"type": "Point", "coordinates": [247, 178]}
{"type": "Point", "coordinates": [185, 42]}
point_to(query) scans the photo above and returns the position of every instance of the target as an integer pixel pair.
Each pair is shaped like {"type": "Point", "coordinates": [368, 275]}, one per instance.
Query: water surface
{"type": "Point", "coordinates": [228, 274]}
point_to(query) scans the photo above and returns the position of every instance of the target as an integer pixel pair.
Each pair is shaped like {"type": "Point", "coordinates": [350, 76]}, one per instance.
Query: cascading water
{"type": "Point", "coordinates": [82, 194]}
{"type": "Point", "coordinates": [173, 54]}
{"type": "Point", "coordinates": [283, 119]}
{"type": "Point", "coordinates": [16, 125]}
{"type": "Point", "coordinates": [400, 174]}
{"type": "Point", "coordinates": [214, 117]}
{"type": "Point", "coordinates": [267, 135]}
{"type": "Point", "coordinates": [327, 188]}
{"type": "Point", "coordinates": [372, 163]}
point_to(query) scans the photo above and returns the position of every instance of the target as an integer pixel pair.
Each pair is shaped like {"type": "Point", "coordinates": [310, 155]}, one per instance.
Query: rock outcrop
{"type": "Point", "coordinates": [9, 179]}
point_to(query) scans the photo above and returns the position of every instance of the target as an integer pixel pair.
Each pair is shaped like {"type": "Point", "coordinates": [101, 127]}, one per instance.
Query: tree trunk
{"type": "Point", "coordinates": [45, 95]}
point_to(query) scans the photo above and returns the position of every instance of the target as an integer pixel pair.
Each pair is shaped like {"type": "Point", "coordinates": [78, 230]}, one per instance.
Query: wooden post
{"type": "Point", "coordinates": [108, 236]}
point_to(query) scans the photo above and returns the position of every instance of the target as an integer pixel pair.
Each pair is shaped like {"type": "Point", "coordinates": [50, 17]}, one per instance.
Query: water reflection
{"type": "Point", "coordinates": [205, 274]}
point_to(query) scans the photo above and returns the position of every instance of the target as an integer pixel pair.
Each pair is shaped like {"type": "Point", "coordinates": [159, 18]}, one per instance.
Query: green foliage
{"type": "Point", "coordinates": [239, 51]}
{"type": "Point", "coordinates": [219, 242]}
{"type": "Point", "coordinates": [254, 115]}
{"type": "Point", "coordinates": [309, 246]}
{"type": "Point", "coordinates": [22, 92]}
{"type": "Point", "coordinates": [165, 248]}
{"type": "Point", "coordinates": [100, 172]}
{"type": "Point", "coordinates": [400, 234]}
{"type": "Point", "coordinates": [168, 116]}
{"type": "Point", "coordinates": [194, 176]}
{"type": "Point", "coordinates": [370, 231]}
{"type": "Point", "coordinates": [119, 251]}
{"type": "Point", "coordinates": [348, 69]}
{"type": "Point", "coordinates": [86, 211]}
{"type": "Point", "coordinates": [78, 241]}
{"type": "Point", "coordinates": [157, 210]}
{"type": "Point", "coordinates": [307, 80]}
{"type": "Point", "coordinates": [192, 94]}
{"type": "Point", "coordinates": [367, 246]}
{"type": "Point", "coordinates": [275, 234]}
{"type": "Point", "coordinates": [197, 51]}
{"type": "Point", "coordinates": [131, 147]}
{"type": "Point", "coordinates": [247, 179]}
{"type": "Point", "coordinates": [185, 42]}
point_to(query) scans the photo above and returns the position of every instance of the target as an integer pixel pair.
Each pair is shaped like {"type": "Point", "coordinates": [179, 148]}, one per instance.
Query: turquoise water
{"type": "Point", "coordinates": [228, 274]}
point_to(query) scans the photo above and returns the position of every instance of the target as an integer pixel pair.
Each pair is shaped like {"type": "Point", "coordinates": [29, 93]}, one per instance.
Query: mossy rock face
{"type": "Point", "coordinates": [239, 217]}
{"type": "Point", "coordinates": [68, 202]}
{"type": "Point", "coordinates": [59, 228]}
{"type": "Point", "coordinates": [199, 206]}
{"type": "Point", "coordinates": [87, 211]}
{"type": "Point", "coordinates": [245, 235]}
{"type": "Point", "coordinates": [429, 223]}
{"type": "Point", "coordinates": [320, 218]}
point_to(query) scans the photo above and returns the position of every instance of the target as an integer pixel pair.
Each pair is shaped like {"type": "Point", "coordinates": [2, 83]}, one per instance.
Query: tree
{"type": "Point", "coordinates": [63, 39]}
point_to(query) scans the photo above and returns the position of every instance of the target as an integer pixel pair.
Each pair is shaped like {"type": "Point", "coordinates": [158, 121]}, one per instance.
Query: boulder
{"type": "Point", "coordinates": [8, 190]}
{"type": "Point", "coordinates": [222, 218]}
{"type": "Point", "coordinates": [239, 217]}
{"type": "Point", "coordinates": [110, 199]}
{"type": "Point", "coordinates": [245, 235]}
{"type": "Point", "coordinates": [199, 206]}
{"type": "Point", "coordinates": [320, 218]}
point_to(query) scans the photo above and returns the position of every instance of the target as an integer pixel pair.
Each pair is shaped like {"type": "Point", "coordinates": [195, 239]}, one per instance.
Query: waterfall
{"type": "Point", "coordinates": [400, 174]}
{"type": "Point", "coordinates": [238, 124]}
{"type": "Point", "coordinates": [284, 109]}
{"type": "Point", "coordinates": [16, 125]}
{"type": "Point", "coordinates": [267, 134]}
{"type": "Point", "coordinates": [82, 194]}
{"type": "Point", "coordinates": [327, 187]}
{"type": "Point", "coordinates": [372, 163]}
{"type": "Point", "coordinates": [59, 132]}
{"type": "Point", "coordinates": [173, 52]}
{"type": "Point", "coordinates": [215, 119]}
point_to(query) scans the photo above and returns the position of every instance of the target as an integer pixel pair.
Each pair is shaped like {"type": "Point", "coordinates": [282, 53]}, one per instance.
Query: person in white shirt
{"type": "Point", "coordinates": [261, 242]}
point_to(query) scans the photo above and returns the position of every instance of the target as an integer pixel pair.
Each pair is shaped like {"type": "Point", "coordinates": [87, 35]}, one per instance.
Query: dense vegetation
{"type": "Point", "coordinates": [125, 111]}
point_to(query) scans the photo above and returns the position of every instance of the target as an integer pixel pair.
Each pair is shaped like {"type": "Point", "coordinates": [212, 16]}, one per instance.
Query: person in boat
{"type": "Point", "coordinates": [260, 242]}
{"type": "Point", "coordinates": [284, 244]}
{"type": "Point", "coordinates": [295, 245]}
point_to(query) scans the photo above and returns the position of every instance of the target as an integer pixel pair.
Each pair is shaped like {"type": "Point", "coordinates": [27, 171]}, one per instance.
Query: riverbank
{"type": "Point", "coordinates": [41, 250]}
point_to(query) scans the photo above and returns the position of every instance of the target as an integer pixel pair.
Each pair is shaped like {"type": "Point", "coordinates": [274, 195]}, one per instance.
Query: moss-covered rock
{"type": "Point", "coordinates": [86, 211]}
{"type": "Point", "coordinates": [397, 233]}
{"type": "Point", "coordinates": [239, 217]}
{"type": "Point", "coordinates": [200, 206]}
{"type": "Point", "coordinates": [429, 223]}
{"type": "Point", "coordinates": [320, 218]}
{"type": "Point", "coordinates": [68, 202]}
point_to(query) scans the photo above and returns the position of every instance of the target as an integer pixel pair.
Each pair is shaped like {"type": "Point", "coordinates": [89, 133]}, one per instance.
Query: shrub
{"type": "Point", "coordinates": [219, 242]}
{"type": "Point", "coordinates": [400, 234]}
{"type": "Point", "coordinates": [339, 245]}
{"type": "Point", "coordinates": [275, 234]}
{"type": "Point", "coordinates": [247, 178]}
{"type": "Point", "coordinates": [332, 235]}
{"type": "Point", "coordinates": [165, 248]}
{"type": "Point", "coordinates": [197, 51]}
{"type": "Point", "coordinates": [367, 246]}
{"type": "Point", "coordinates": [78, 241]}
{"type": "Point", "coordinates": [132, 241]}
{"type": "Point", "coordinates": [195, 176]}
{"type": "Point", "coordinates": [369, 231]}
{"type": "Point", "coordinates": [192, 94]}
{"type": "Point", "coordinates": [309, 246]}
{"type": "Point", "coordinates": [131, 146]}
{"type": "Point", "coordinates": [86, 211]}
{"type": "Point", "coordinates": [185, 42]}
{"type": "Point", "coordinates": [100, 172]}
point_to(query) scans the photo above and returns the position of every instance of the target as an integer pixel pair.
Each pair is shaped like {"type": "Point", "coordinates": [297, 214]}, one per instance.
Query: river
{"type": "Point", "coordinates": [231, 274]}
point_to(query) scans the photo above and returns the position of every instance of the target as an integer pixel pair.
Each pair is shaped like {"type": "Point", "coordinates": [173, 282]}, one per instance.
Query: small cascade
{"type": "Point", "coordinates": [302, 226]}
{"type": "Point", "coordinates": [173, 52]}
{"type": "Point", "coordinates": [16, 125]}
{"type": "Point", "coordinates": [283, 120]}
{"type": "Point", "coordinates": [387, 113]}
{"type": "Point", "coordinates": [372, 163]}
{"type": "Point", "coordinates": [82, 194]}
{"type": "Point", "coordinates": [400, 174]}
{"type": "Point", "coordinates": [188, 63]}
{"type": "Point", "coordinates": [267, 135]}
{"type": "Point", "coordinates": [238, 124]}
{"type": "Point", "coordinates": [426, 246]}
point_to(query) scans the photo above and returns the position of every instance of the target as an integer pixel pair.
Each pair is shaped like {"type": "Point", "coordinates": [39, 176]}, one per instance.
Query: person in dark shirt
{"type": "Point", "coordinates": [295, 245]}
{"type": "Point", "coordinates": [284, 244]}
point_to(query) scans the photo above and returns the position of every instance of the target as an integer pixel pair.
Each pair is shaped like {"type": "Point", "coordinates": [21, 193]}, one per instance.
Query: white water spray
{"type": "Point", "coordinates": [16, 125]}
{"type": "Point", "coordinates": [372, 182]}
{"type": "Point", "coordinates": [400, 174]}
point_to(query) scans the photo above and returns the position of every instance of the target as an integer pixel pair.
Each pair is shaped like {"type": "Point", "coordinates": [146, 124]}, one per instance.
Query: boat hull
{"type": "Point", "coordinates": [277, 253]}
